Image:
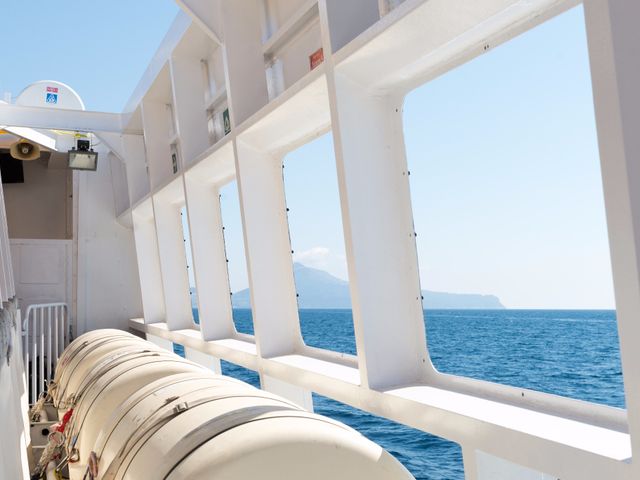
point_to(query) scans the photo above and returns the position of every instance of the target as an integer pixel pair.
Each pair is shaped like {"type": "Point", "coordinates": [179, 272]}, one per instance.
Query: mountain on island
{"type": "Point", "coordinates": [319, 289]}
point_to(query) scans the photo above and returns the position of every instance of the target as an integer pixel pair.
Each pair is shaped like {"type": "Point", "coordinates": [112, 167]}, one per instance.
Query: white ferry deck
{"type": "Point", "coordinates": [232, 89]}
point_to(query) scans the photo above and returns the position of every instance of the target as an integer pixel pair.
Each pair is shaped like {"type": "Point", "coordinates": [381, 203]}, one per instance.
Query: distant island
{"type": "Point", "coordinates": [319, 289]}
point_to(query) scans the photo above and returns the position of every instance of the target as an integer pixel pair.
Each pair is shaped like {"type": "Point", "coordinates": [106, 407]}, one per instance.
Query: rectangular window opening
{"type": "Point", "coordinates": [317, 243]}
{"type": "Point", "coordinates": [510, 220]}
{"type": "Point", "coordinates": [236, 260]}
{"type": "Point", "coordinates": [193, 294]}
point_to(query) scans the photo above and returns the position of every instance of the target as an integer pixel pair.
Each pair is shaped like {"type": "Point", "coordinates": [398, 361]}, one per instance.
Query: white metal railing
{"type": "Point", "coordinates": [45, 333]}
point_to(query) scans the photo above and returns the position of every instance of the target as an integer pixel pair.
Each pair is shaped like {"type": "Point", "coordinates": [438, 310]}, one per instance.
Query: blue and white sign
{"type": "Point", "coordinates": [52, 98]}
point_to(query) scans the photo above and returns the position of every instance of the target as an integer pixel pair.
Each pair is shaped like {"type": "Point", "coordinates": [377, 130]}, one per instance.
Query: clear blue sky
{"type": "Point", "coordinates": [505, 180]}
{"type": "Point", "coordinates": [505, 174]}
{"type": "Point", "coordinates": [99, 48]}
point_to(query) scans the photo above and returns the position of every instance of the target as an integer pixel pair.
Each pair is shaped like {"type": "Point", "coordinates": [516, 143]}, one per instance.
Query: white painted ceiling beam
{"type": "Point", "coordinates": [33, 135]}
{"type": "Point", "coordinates": [58, 119]}
{"type": "Point", "coordinates": [294, 118]}
{"type": "Point", "coordinates": [421, 39]}
{"type": "Point", "coordinates": [206, 14]}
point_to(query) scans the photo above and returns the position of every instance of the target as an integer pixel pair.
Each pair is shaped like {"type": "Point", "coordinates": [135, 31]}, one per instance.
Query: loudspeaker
{"type": "Point", "coordinates": [24, 150]}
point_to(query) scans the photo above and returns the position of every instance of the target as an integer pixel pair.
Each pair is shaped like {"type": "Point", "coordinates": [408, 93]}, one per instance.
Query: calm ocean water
{"type": "Point", "coordinates": [565, 352]}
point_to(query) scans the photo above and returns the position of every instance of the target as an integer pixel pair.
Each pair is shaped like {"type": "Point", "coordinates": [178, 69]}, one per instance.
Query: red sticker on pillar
{"type": "Point", "coordinates": [316, 58]}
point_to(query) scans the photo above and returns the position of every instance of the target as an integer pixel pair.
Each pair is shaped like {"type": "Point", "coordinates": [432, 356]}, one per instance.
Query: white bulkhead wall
{"type": "Point", "coordinates": [108, 286]}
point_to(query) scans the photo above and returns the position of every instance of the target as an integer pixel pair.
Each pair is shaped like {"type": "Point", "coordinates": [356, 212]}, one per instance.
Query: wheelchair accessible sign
{"type": "Point", "coordinates": [52, 95]}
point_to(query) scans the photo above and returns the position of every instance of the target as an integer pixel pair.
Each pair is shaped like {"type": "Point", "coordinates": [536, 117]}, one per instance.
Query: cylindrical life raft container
{"type": "Point", "coordinates": [141, 412]}
{"type": "Point", "coordinates": [73, 362]}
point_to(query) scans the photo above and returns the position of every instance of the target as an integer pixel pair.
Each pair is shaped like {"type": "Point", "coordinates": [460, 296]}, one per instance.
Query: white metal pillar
{"type": "Point", "coordinates": [614, 51]}
{"type": "Point", "coordinates": [157, 130]}
{"type": "Point", "coordinates": [379, 233]}
{"type": "Point", "coordinates": [210, 265]}
{"type": "Point", "coordinates": [188, 103]}
{"type": "Point", "coordinates": [244, 60]}
{"type": "Point", "coordinates": [173, 263]}
{"type": "Point", "coordinates": [136, 165]}
{"type": "Point", "coordinates": [144, 230]}
{"type": "Point", "coordinates": [266, 230]}
{"type": "Point", "coordinates": [129, 150]}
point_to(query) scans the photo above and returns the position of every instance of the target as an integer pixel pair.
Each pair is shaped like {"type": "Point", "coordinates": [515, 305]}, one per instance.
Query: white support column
{"type": "Point", "coordinates": [119, 184]}
{"type": "Point", "coordinates": [155, 119]}
{"type": "Point", "coordinates": [136, 165]}
{"type": "Point", "coordinates": [379, 234]}
{"type": "Point", "coordinates": [614, 50]}
{"type": "Point", "coordinates": [188, 103]}
{"type": "Point", "coordinates": [210, 266]}
{"type": "Point", "coordinates": [295, 394]}
{"type": "Point", "coordinates": [203, 359]}
{"type": "Point", "coordinates": [173, 263]}
{"type": "Point", "coordinates": [266, 230]}
{"type": "Point", "coordinates": [244, 61]}
{"type": "Point", "coordinates": [144, 230]}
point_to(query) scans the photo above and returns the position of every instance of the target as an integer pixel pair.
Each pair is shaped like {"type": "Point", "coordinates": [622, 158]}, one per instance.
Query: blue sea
{"type": "Point", "coordinates": [573, 353]}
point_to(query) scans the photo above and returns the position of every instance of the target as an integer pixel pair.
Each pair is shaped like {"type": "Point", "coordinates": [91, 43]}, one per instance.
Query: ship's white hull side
{"type": "Point", "coordinates": [14, 437]}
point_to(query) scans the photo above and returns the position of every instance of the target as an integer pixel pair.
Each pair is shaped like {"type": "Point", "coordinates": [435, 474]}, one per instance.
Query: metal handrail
{"type": "Point", "coordinates": [45, 335]}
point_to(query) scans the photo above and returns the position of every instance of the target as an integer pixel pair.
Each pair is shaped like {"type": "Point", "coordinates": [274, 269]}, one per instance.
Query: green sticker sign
{"type": "Point", "coordinates": [226, 121]}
